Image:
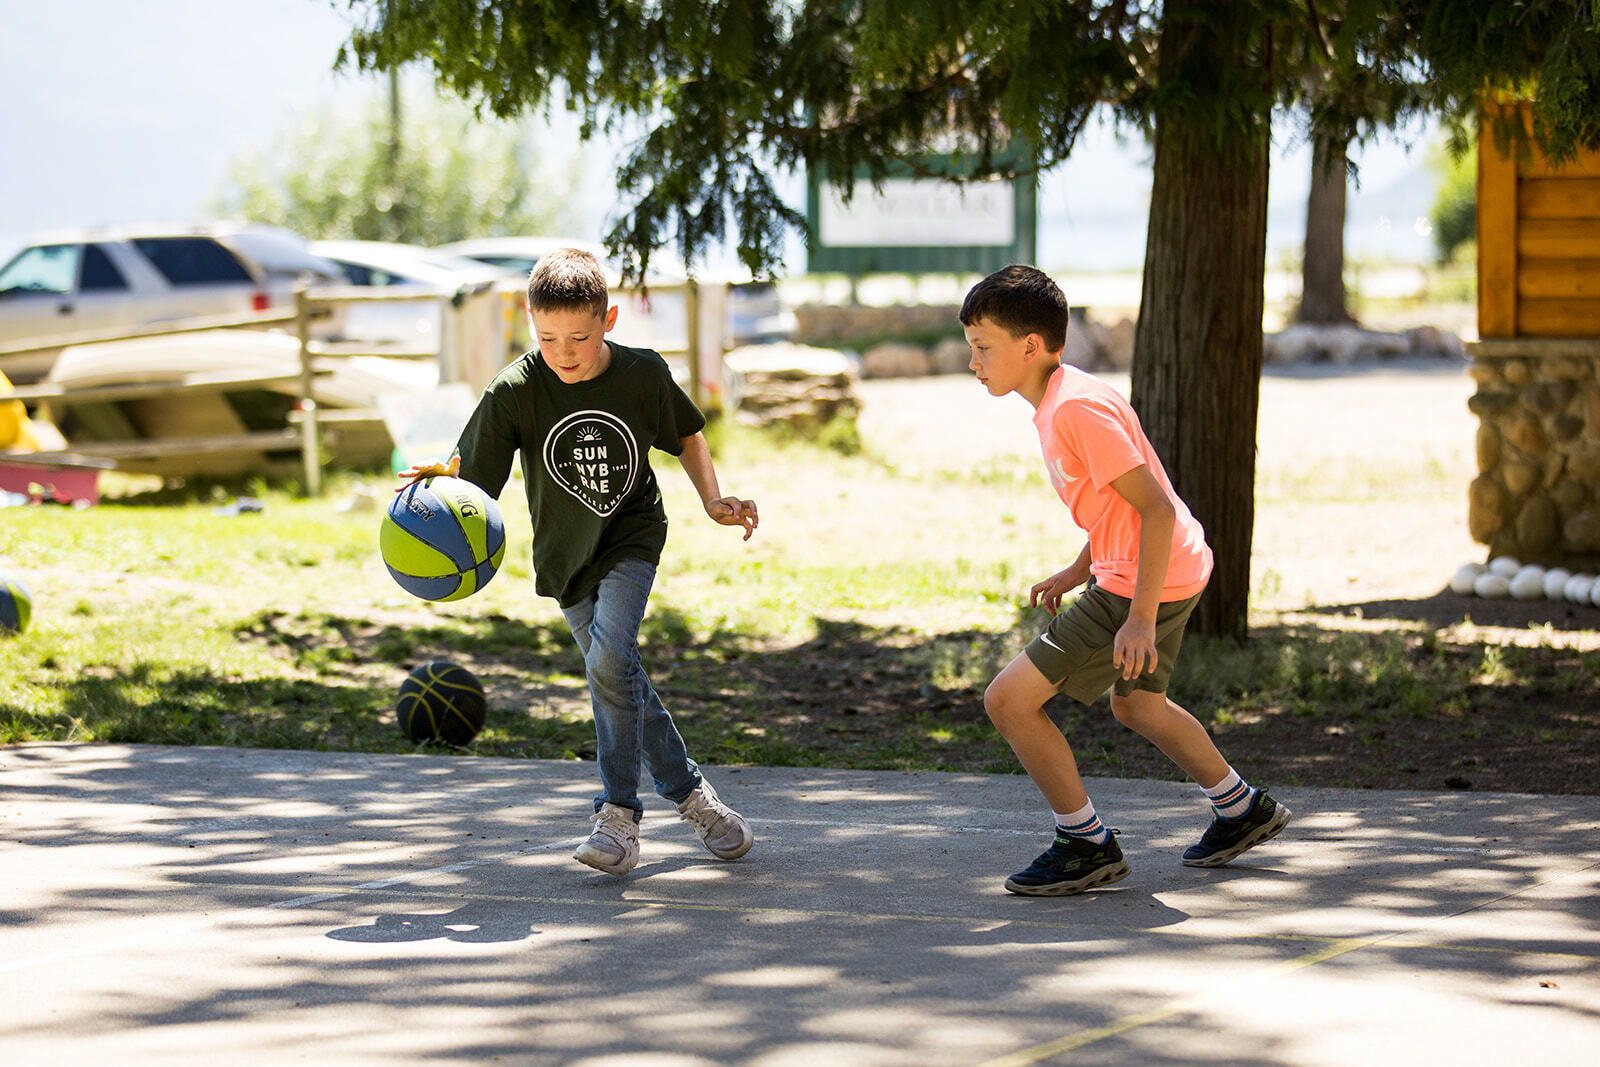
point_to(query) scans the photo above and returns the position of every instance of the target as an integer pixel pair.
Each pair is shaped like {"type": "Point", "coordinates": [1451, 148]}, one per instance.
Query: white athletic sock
{"type": "Point", "coordinates": [1231, 798]}
{"type": "Point", "coordinates": [1083, 823]}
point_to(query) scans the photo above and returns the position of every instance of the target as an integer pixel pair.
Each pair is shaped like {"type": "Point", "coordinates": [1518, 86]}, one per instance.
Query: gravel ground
{"type": "Point", "coordinates": [1362, 470]}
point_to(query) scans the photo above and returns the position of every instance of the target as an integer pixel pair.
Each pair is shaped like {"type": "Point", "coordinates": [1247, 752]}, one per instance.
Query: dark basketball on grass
{"type": "Point", "coordinates": [441, 701]}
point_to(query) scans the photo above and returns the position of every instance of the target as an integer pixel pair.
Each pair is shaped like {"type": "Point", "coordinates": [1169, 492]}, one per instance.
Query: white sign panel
{"type": "Point", "coordinates": [918, 212]}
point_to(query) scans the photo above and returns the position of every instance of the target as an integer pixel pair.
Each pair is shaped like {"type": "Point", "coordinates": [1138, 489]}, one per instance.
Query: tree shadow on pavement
{"type": "Point", "coordinates": [868, 925]}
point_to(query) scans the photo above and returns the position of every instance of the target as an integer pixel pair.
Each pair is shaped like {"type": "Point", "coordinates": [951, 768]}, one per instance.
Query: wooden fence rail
{"type": "Point", "coordinates": [310, 305]}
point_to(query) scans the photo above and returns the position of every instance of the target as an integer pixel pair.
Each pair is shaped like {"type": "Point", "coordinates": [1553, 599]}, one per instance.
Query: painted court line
{"type": "Point", "coordinates": [1181, 1007]}
{"type": "Point", "coordinates": [1192, 1004]}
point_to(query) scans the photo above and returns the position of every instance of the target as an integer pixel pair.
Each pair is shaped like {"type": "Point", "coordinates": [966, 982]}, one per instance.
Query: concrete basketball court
{"type": "Point", "coordinates": [203, 905]}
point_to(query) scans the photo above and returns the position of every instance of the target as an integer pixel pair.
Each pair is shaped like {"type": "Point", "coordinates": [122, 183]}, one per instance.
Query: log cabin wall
{"type": "Point", "coordinates": [1537, 363]}
{"type": "Point", "coordinates": [1538, 244]}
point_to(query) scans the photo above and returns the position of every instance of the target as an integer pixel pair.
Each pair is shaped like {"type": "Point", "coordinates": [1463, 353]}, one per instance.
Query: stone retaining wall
{"type": "Point", "coordinates": [1537, 493]}
{"type": "Point", "coordinates": [1095, 342]}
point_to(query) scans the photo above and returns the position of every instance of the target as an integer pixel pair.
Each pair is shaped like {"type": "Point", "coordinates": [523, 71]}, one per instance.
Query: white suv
{"type": "Point", "coordinates": [128, 277]}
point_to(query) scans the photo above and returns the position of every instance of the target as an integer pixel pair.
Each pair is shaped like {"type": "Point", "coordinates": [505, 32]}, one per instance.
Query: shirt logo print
{"type": "Point", "coordinates": [1059, 475]}
{"type": "Point", "coordinates": [593, 456]}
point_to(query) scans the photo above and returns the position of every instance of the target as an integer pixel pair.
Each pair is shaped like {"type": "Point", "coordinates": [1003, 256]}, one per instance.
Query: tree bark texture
{"type": "Point", "coordinates": [1196, 377]}
{"type": "Point", "coordinates": [1322, 294]}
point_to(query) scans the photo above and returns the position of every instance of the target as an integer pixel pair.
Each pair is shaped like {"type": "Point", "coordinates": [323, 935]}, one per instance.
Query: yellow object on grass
{"type": "Point", "coordinates": [16, 428]}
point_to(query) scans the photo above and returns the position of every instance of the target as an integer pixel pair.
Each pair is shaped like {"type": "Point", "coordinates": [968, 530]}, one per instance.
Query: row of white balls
{"type": "Point", "coordinates": [1505, 576]}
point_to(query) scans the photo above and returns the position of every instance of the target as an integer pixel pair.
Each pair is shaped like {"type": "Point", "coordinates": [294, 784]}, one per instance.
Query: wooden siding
{"type": "Point", "coordinates": [1538, 244]}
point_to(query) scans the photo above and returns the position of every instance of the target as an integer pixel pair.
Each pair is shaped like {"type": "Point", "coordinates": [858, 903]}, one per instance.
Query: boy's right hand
{"type": "Point", "coordinates": [1050, 591]}
{"type": "Point", "coordinates": [731, 511]}
{"type": "Point", "coordinates": [428, 468]}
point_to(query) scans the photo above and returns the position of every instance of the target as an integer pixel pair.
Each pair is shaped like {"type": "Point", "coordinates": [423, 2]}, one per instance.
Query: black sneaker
{"type": "Point", "coordinates": [1225, 839]}
{"type": "Point", "coordinates": [1070, 865]}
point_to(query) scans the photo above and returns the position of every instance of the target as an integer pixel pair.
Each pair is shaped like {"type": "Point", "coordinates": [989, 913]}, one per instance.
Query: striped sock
{"type": "Point", "coordinates": [1083, 823]}
{"type": "Point", "coordinates": [1231, 798]}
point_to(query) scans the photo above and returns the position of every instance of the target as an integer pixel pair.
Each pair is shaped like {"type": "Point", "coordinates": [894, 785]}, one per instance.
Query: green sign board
{"type": "Point", "coordinates": [915, 224]}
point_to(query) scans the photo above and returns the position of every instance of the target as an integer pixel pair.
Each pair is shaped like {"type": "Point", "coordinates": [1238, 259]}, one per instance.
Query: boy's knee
{"type": "Point", "coordinates": [607, 660]}
{"type": "Point", "coordinates": [1001, 705]}
{"type": "Point", "coordinates": [992, 703]}
{"type": "Point", "coordinates": [1137, 709]}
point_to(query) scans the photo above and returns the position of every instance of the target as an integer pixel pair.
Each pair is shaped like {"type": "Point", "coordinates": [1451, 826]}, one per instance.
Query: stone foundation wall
{"type": "Point", "coordinates": [1537, 493]}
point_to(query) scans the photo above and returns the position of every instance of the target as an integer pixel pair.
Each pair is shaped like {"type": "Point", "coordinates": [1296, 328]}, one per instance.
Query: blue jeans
{"type": "Point", "coordinates": [630, 722]}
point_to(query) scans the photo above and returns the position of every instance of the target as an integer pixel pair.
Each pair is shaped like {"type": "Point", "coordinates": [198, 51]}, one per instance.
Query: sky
{"type": "Point", "coordinates": [132, 111]}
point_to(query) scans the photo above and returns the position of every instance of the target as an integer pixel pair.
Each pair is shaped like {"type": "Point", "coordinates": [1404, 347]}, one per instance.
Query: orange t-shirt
{"type": "Point", "coordinates": [1091, 437]}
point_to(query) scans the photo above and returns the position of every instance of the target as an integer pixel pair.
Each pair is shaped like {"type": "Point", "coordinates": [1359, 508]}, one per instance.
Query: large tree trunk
{"type": "Point", "coordinates": [1197, 361]}
{"type": "Point", "coordinates": [1322, 295]}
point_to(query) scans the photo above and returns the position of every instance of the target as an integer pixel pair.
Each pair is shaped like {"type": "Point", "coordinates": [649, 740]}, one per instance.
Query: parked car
{"type": "Point", "coordinates": [755, 313]}
{"type": "Point", "coordinates": [127, 277]}
{"type": "Point", "coordinates": [435, 276]}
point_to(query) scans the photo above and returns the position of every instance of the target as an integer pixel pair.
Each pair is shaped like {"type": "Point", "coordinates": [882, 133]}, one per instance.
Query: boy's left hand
{"type": "Point", "coordinates": [1133, 650]}
{"type": "Point", "coordinates": [731, 511]}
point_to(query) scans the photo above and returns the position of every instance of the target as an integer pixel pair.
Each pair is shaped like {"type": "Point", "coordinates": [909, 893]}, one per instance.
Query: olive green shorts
{"type": "Point", "coordinates": [1074, 652]}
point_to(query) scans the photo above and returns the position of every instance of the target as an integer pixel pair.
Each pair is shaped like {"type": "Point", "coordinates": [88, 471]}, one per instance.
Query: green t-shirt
{"type": "Point", "coordinates": [585, 461]}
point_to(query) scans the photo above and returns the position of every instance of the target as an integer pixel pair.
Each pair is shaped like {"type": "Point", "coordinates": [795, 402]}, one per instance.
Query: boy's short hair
{"type": "Point", "coordinates": [1020, 300]}
{"type": "Point", "coordinates": [568, 279]}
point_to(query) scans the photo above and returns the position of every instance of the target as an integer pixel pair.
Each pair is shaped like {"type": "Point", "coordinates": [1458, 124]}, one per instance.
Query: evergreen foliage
{"type": "Point", "coordinates": [723, 95]}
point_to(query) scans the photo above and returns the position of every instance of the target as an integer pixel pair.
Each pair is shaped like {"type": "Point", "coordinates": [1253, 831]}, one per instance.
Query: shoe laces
{"type": "Point", "coordinates": [616, 825]}
{"type": "Point", "coordinates": [709, 811]}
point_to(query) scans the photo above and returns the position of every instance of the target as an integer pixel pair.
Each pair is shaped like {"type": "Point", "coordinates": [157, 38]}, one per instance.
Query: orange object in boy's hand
{"type": "Point", "coordinates": [428, 468]}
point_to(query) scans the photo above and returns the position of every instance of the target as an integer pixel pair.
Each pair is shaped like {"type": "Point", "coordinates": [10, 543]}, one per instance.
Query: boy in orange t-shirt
{"type": "Point", "coordinates": [1146, 563]}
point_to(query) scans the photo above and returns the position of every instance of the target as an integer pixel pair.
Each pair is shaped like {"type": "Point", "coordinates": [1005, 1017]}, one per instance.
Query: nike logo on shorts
{"type": "Point", "coordinates": [1045, 637]}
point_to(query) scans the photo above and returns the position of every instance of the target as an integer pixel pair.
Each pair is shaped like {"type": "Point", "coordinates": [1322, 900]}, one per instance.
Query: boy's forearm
{"type": "Point", "coordinates": [1157, 521]}
{"type": "Point", "coordinates": [1155, 551]}
{"type": "Point", "coordinates": [696, 460]}
{"type": "Point", "coordinates": [1079, 568]}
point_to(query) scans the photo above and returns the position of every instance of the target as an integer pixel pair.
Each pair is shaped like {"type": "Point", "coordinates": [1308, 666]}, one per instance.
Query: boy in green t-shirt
{"type": "Point", "coordinates": [585, 412]}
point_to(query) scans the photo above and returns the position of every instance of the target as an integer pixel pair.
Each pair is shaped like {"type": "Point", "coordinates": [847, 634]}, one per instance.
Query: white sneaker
{"type": "Point", "coordinates": [613, 847]}
{"type": "Point", "coordinates": [721, 829]}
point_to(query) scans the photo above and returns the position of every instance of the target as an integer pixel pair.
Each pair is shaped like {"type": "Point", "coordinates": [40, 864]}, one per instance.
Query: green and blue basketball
{"type": "Point", "coordinates": [442, 538]}
{"type": "Point", "coordinates": [16, 604]}
{"type": "Point", "coordinates": [441, 702]}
